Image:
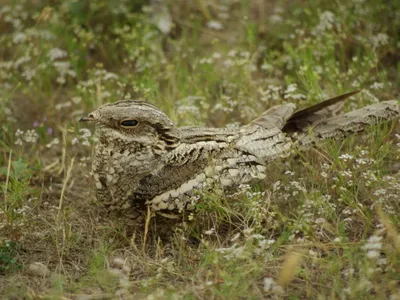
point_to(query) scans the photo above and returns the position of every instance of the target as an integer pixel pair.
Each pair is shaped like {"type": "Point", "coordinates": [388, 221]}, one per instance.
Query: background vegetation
{"type": "Point", "coordinates": [324, 223]}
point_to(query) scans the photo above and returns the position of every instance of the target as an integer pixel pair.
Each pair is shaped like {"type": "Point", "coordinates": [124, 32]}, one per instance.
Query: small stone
{"type": "Point", "coordinates": [118, 262]}
{"type": "Point", "coordinates": [38, 269]}
{"type": "Point", "coordinates": [126, 270]}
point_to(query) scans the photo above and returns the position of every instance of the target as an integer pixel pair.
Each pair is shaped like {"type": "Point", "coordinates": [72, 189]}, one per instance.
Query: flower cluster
{"type": "Point", "coordinates": [84, 138]}
{"type": "Point", "coordinates": [252, 244]}
{"type": "Point", "coordinates": [29, 136]}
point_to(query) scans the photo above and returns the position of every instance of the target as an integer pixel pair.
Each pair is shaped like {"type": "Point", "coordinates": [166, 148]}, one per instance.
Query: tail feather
{"type": "Point", "coordinates": [284, 116]}
{"type": "Point", "coordinates": [351, 122]}
{"type": "Point", "coordinates": [322, 119]}
{"type": "Point", "coordinates": [311, 115]}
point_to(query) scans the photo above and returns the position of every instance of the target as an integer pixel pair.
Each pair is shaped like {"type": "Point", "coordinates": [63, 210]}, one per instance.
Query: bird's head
{"type": "Point", "coordinates": [134, 121]}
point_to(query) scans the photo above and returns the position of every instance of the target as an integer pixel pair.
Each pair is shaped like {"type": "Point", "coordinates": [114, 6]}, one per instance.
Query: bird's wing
{"type": "Point", "coordinates": [184, 168]}
{"type": "Point", "coordinates": [275, 117]}
{"type": "Point", "coordinates": [193, 134]}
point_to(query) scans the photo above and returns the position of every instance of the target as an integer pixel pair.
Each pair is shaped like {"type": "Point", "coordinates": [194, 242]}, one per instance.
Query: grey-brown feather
{"type": "Point", "coordinates": [158, 164]}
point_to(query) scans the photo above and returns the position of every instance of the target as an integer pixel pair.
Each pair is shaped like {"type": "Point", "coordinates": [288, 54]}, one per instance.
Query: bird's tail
{"type": "Point", "coordinates": [286, 118]}
{"type": "Point", "coordinates": [307, 131]}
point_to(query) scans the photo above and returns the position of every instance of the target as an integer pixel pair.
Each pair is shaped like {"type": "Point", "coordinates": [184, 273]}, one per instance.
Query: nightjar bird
{"type": "Point", "coordinates": [142, 159]}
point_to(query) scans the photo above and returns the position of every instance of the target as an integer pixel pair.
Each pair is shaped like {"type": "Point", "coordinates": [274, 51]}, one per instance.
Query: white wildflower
{"type": "Point", "coordinates": [19, 37]}
{"type": "Point", "coordinates": [326, 22]}
{"type": "Point", "coordinates": [30, 136]}
{"type": "Point", "coordinates": [56, 53]}
{"type": "Point", "coordinates": [76, 99]}
{"type": "Point", "coordinates": [373, 246]}
{"type": "Point", "coordinates": [269, 283]}
{"type": "Point", "coordinates": [215, 25]}
{"type": "Point", "coordinates": [28, 74]}
{"type": "Point", "coordinates": [381, 39]}
{"type": "Point", "coordinates": [346, 157]}
{"type": "Point", "coordinates": [110, 76]}
{"type": "Point", "coordinates": [61, 106]}
{"type": "Point", "coordinates": [85, 133]}
{"type": "Point", "coordinates": [376, 86]}
{"type": "Point", "coordinates": [55, 141]}
{"type": "Point", "coordinates": [372, 254]}
{"type": "Point", "coordinates": [290, 93]}
{"type": "Point", "coordinates": [19, 132]}
{"type": "Point", "coordinates": [209, 232]}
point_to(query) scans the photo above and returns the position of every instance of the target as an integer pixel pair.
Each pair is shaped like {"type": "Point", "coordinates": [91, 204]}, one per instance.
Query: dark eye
{"type": "Point", "coordinates": [129, 123]}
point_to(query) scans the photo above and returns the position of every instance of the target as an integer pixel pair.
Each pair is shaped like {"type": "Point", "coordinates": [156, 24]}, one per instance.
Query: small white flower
{"type": "Point", "coordinates": [381, 39]}
{"type": "Point", "coordinates": [269, 283]}
{"type": "Point", "coordinates": [110, 76]}
{"type": "Point", "coordinates": [76, 99]}
{"type": "Point", "coordinates": [209, 232]}
{"type": "Point", "coordinates": [56, 141]}
{"type": "Point", "coordinates": [215, 25]}
{"type": "Point", "coordinates": [30, 136]}
{"type": "Point", "coordinates": [19, 37]}
{"type": "Point", "coordinates": [377, 86]}
{"type": "Point", "coordinates": [56, 53]}
{"type": "Point", "coordinates": [374, 239]}
{"type": "Point", "coordinates": [372, 254]}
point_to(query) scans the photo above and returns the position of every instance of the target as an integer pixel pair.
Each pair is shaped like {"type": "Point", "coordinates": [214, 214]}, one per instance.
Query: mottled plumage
{"type": "Point", "coordinates": [143, 159]}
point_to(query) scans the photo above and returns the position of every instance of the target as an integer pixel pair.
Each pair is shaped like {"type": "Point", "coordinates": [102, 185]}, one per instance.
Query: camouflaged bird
{"type": "Point", "coordinates": [142, 159]}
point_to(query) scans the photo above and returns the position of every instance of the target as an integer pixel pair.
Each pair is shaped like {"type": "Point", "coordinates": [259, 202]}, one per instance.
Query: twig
{"type": "Point", "coordinates": [7, 180]}
{"type": "Point", "coordinates": [146, 227]}
{"type": "Point", "coordinates": [67, 176]}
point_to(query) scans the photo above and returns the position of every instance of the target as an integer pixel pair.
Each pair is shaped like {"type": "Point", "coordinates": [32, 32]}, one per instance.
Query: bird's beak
{"type": "Point", "coordinates": [86, 119]}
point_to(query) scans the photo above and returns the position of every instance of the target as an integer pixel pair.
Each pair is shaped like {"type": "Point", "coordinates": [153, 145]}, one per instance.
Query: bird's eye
{"type": "Point", "coordinates": [129, 123]}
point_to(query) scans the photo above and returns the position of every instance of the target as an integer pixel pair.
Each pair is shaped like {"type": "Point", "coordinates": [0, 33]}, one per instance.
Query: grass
{"type": "Point", "coordinates": [325, 222]}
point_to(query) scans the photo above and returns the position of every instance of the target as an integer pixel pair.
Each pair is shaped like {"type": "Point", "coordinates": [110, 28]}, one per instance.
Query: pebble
{"type": "Point", "coordinates": [38, 269]}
